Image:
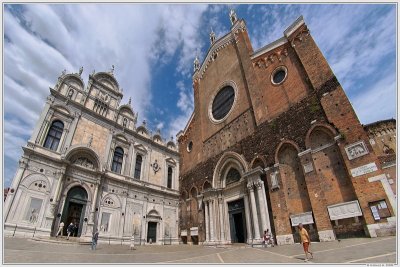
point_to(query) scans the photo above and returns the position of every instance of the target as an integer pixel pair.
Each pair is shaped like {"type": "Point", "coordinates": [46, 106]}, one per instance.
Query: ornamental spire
{"type": "Point", "coordinates": [212, 36]}
{"type": "Point", "coordinates": [196, 64]}
{"type": "Point", "coordinates": [130, 101]}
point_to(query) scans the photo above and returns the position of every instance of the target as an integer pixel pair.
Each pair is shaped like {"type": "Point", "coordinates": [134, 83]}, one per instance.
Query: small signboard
{"type": "Point", "coordinates": [370, 167]}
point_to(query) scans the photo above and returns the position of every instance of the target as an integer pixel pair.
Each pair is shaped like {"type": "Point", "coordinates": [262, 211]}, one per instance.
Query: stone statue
{"type": "Point", "coordinates": [112, 69]}
{"type": "Point", "coordinates": [63, 72]}
{"type": "Point", "coordinates": [33, 217]}
{"type": "Point", "coordinates": [90, 140]}
{"type": "Point", "coordinates": [233, 16]}
{"type": "Point", "coordinates": [80, 71]}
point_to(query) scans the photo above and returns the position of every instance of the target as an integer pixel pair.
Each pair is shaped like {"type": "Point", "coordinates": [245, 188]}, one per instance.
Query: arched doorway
{"type": "Point", "coordinates": [74, 209]}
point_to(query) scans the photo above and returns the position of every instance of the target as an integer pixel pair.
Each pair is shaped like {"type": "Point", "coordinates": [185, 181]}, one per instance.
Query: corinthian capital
{"type": "Point", "coordinates": [250, 185]}
{"type": "Point", "coordinates": [259, 184]}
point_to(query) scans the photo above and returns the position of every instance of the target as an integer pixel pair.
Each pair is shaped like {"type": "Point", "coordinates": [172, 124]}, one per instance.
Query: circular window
{"type": "Point", "coordinates": [279, 75]}
{"type": "Point", "coordinates": [223, 102]}
{"type": "Point", "coordinates": [189, 146]}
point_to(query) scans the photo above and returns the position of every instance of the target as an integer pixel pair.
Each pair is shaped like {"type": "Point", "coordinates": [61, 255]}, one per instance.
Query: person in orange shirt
{"type": "Point", "coordinates": [305, 239]}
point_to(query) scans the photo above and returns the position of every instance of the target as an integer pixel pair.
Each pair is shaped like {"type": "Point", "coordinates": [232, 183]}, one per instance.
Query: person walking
{"type": "Point", "coordinates": [95, 237]}
{"type": "Point", "coordinates": [70, 230]}
{"type": "Point", "coordinates": [305, 240]}
{"type": "Point", "coordinates": [60, 229]}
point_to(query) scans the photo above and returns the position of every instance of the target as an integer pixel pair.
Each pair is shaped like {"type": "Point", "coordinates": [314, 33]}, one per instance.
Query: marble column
{"type": "Point", "coordinates": [207, 222]}
{"type": "Point", "coordinates": [254, 212]}
{"type": "Point", "coordinates": [263, 209]}
{"type": "Point", "coordinates": [248, 221]}
{"type": "Point", "coordinates": [94, 200]}
{"type": "Point", "coordinates": [57, 194]}
{"type": "Point", "coordinates": [221, 220]}
{"type": "Point", "coordinates": [211, 220]}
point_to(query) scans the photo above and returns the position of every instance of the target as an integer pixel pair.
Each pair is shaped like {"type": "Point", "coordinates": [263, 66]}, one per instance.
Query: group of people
{"type": "Point", "coordinates": [72, 229]}
{"type": "Point", "coordinates": [304, 239]}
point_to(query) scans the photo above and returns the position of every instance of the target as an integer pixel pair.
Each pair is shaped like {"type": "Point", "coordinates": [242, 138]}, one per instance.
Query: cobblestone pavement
{"type": "Point", "coordinates": [355, 250]}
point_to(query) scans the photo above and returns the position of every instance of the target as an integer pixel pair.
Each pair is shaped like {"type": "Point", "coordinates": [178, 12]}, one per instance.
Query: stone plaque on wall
{"type": "Point", "coordinates": [344, 210]}
{"type": "Point", "coordinates": [308, 167]}
{"type": "Point", "coordinates": [356, 150]}
{"type": "Point", "coordinates": [183, 232]}
{"type": "Point", "coordinates": [304, 218]}
{"type": "Point", "coordinates": [370, 167]}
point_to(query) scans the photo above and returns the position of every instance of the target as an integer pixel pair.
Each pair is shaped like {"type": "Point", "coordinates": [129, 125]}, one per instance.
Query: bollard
{"type": "Point", "coordinates": [34, 231]}
{"type": "Point", "coordinates": [15, 230]}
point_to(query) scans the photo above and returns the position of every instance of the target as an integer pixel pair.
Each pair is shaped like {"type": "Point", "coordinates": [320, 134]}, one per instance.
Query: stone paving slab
{"type": "Point", "coordinates": [351, 251]}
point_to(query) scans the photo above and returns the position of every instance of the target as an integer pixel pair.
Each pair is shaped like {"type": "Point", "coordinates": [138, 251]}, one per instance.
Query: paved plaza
{"type": "Point", "coordinates": [355, 250]}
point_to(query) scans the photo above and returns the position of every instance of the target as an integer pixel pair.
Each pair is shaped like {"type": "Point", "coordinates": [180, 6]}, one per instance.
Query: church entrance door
{"type": "Point", "coordinates": [152, 232]}
{"type": "Point", "coordinates": [237, 221]}
{"type": "Point", "coordinates": [75, 204]}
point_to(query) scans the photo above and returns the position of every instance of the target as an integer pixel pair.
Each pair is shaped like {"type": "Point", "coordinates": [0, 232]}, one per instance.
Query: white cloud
{"type": "Point", "coordinates": [380, 96]}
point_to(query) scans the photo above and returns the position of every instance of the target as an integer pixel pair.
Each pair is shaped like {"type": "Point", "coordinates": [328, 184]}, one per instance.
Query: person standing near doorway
{"type": "Point", "coordinates": [60, 229]}
{"type": "Point", "coordinates": [70, 229]}
{"type": "Point", "coordinates": [305, 240]}
{"type": "Point", "coordinates": [95, 237]}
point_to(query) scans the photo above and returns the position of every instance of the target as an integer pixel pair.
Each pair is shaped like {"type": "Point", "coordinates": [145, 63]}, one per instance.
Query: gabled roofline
{"type": "Point", "coordinates": [186, 127]}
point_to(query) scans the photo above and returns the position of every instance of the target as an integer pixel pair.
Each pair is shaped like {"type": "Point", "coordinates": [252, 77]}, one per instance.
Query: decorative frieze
{"type": "Point", "coordinates": [344, 210]}
{"type": "Point", "coordinates": [303, 218]}
{"type": "Point", "coordinates": [356, 150]}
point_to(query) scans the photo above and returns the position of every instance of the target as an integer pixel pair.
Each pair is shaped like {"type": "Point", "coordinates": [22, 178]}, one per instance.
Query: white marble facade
{"type": "Point", "coordinates": [97, 169]}
{"type": "Point", "coordinates": [247, 193]}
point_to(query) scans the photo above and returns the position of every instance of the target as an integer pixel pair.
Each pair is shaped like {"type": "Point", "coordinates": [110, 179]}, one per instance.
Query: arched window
{"type": "Point", "coordinates": [54, 135]}
{"type": "Point", "coordinates": [138, 166]}
{"type": "Point", "coordinates": [169, 181]}
{"type": "Point", "coordinates": [117, 160]}
{"type": "Point", "coordinates": [232, 176]}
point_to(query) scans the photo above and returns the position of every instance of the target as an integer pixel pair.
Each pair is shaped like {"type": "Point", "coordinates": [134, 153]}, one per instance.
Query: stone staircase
{"type": "Point", "coordinates": [62, 240]}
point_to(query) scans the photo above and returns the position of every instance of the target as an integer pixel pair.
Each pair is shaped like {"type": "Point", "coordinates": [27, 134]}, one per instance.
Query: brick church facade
{"type": "Point", "coordinates": [273, 142]}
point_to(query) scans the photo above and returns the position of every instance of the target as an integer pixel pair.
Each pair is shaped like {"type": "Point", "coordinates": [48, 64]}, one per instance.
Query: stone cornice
{"type": "Point", "coordinates": [269, 47]}
{"type": "Point", "coordinates": [295, 25]}
{"type": "Point", "coordinates": [142, 186]}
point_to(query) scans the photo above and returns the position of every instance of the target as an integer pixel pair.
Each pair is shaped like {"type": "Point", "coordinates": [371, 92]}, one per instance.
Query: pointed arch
{"type": "Point", "coordinates": [323, 128]}
{"type": "Point", "coordinates": [259, 160]}
{"type": "Point", "coordinates": [282, 144]}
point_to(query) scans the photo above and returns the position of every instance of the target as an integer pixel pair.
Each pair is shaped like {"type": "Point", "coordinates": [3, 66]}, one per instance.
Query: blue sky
{"type": "Point", "coordinates": [153, 47]}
